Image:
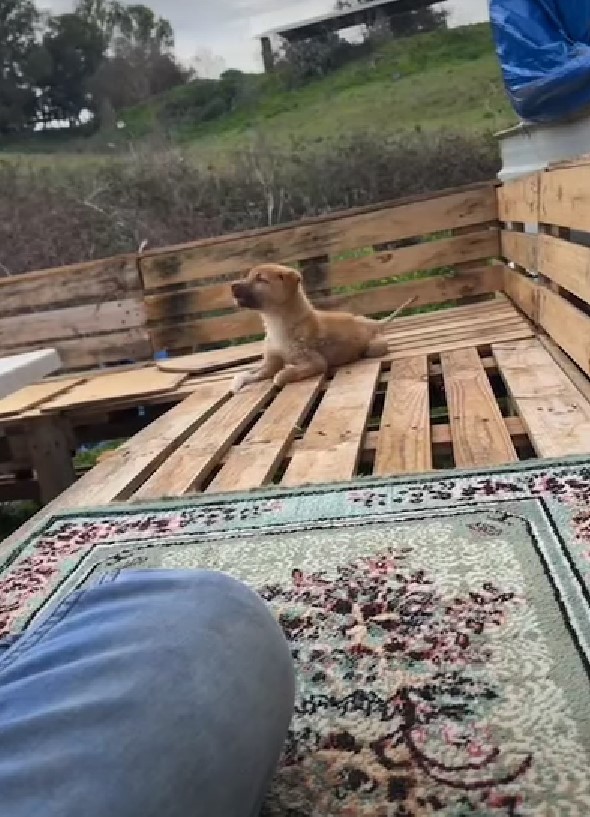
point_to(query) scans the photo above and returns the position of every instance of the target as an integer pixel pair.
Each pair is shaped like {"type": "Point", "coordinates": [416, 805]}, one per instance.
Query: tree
{"type": "Point", "coordinates": [21, 62]}
{"type": "Point", "coordinates": [76, 47]}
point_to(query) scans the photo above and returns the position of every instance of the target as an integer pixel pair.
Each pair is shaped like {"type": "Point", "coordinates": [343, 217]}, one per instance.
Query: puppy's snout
{"type": "Point", "coordinates": [239, 290]}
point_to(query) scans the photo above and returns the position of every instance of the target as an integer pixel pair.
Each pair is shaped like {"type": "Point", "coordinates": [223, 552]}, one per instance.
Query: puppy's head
{"type": "Point", "coordinates": [267, 288]}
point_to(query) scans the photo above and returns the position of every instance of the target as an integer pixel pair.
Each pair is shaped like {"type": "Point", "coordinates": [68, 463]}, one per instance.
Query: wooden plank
{"type": "Point", "coordinates": [210, 258]}
{"type": "Point", "coordinates": [75, 322]}
{"type": "Point", "coordinates": [575, 374]}
{"type": "Point", "coordinates": [371, 301]}
{"type": "Point", "coordinates": [215, 359]}
{"type": "Point", "coordinates": [567, 325]}
{"type": "Point", "coordinates": [518, 200]}
{"type": "Point", "coordinates": [193, 461]}
{"type": "Point", "coordinates": [110, 279]}
{"type": "Point", "coordinates": [520, 248]}
{"type": "Point", "coordinates": [119, 476]}
{"type": "Point", "coordinates": [566, 264]}
{"type": "Point", "coordinates": [429, 255]}
{"type": "Point", "coordinates": [565, 197]}
{"type": "Point", "coordinates": [331, 445]}
{"type": "Point", "coordinates": [34, 395]}
{"type": "Point", "coordinates": [555, 414]}
{"type": "Point", "coordinates": [436, 347]}
{"type": "Point", "coordinates": [51, 457]}
{"type": "Point", "coordinates": [480, 436]}
{"type": "Point", "coordinates": [522, 291]}
{"type": "Point", "coordinates": [94, 351]}
{"type": "Point", "coordinates": [404, 436]}
{"type": "Point", "coordinates": [102, 390]}
{"type": "Point", "coordinates": [450, 332]}
{"type": "Point", "coordinates": [255, 461]}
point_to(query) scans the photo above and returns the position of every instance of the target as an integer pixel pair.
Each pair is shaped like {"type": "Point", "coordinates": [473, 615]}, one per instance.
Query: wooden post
{"type": "Point", "coordinates": [51, 456]}
{"type": "Point", "coordinates": [268, 59]}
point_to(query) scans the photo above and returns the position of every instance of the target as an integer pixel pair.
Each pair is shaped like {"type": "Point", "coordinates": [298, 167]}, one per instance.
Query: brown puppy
{"type": "Point", "coordinates": [301, 341]}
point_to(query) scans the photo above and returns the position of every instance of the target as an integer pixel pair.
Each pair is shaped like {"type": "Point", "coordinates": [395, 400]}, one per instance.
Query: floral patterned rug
{"type": "Point", "coordinates": [440, 629]}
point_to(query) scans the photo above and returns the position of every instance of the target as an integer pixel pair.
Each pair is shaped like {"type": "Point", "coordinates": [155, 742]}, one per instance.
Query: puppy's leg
{"type": "Point", "coordinates": [270, 365]}
{"type": "Point", "coordinates": [311, 365]}
{"type": "Point", "coordinates": [376, 348]}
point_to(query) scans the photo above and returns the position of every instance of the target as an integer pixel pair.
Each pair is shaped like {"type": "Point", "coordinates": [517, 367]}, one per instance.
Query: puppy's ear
{"type": "Point", "coordinates": [292, 279]}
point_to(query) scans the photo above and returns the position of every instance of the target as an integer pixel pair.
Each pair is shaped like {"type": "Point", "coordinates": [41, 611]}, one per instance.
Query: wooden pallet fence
{"type": "Point", "coordinates": [188, 297]}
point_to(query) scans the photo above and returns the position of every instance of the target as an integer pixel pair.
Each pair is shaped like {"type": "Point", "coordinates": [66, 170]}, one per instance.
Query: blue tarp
{"type": "Point", "coordinates": [544, 51]}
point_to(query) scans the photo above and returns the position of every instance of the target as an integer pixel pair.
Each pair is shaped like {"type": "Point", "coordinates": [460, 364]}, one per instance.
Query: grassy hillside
{"type": "Point", "coordinates": [442, 80]}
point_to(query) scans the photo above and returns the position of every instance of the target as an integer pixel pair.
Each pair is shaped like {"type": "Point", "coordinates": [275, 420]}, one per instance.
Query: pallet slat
{"type": "Point", "coordinates": [321, 236]}
{"type": "Point", "coordinates": [565, 197]}
{"type": "Point", "coordinates": [480, 436]}
{"type": "Point", "coordinates": [403, 444]}
{"type": "Point", "coordinates": [331, 445]}
{"type": "Point", "coordinates": [254, 462]}
{"type": "Point", "coordinates": [444, 252]}
{"type": "Point", "coordinates": [193, 461]}
{"type": "Point", "coordinates": [565, 263]}
{"type": "Point", "coordinates": [110, 387]}
{"type": "Point", "coordinates": [555, 414]}
{"type": "Point", "coordinates": [32, 396]}
{"type": "Point", "coordinates": [519, 200]}
{"type": "Point", "coordinates": [567, 325]}
{"type": "Point", "coordinates": [438, 289]}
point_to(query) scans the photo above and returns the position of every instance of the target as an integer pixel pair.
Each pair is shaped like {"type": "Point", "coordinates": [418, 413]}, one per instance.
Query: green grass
{"type": "Point", "coordinates": [445, 80]}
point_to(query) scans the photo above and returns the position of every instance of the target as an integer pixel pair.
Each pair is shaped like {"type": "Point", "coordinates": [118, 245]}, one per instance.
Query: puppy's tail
{"type": "Point", "coordinates": [389, 318]}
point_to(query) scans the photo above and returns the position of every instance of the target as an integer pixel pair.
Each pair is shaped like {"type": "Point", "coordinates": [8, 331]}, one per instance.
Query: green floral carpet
{"type": "Point", "coordinates": [439, 626]}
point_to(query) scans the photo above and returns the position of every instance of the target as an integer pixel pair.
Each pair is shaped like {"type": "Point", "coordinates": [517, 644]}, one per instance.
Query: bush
{"type": "Point", "coordinates": [80, 210]}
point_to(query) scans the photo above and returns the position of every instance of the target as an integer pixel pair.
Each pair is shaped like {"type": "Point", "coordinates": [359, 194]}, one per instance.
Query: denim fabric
{"type": "Point", "coordinates": [151, 694]}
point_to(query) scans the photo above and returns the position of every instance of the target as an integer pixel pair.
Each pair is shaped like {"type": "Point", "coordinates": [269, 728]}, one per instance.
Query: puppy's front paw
{"type": "Point", "coordinates": [239, 382]}
{"type": "Point", "coordinates": [280, 379]}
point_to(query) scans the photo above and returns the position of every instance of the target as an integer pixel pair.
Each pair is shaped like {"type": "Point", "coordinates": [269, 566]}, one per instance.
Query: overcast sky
{"type": "Point", "coordinates": [228, 28]}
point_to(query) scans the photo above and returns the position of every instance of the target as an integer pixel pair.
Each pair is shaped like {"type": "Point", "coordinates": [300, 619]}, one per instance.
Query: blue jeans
{"type": "Point", "coordinates": [151, 694]}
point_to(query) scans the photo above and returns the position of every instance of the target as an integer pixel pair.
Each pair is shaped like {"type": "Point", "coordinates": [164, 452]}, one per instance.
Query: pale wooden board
{"type": "Point", "coordinates": [331, 445]}
{"type": "Point", "coordinates": [555, 414]}
{"type": "Point", "coordinates": [320, 236]}
{"type": "Point", "coordinates": [386, 298]}
{"type": "Point", "coordinates": [565, 197]}
{"type": "Point", "coordinates": [567, 325]}
{"type": "Point", "coordinates": [117, 477]}
{"type": "Point", "coordinates": [404, 436]}
{"type": "Point", "coordinates": [477, 334]}
{"type": "Point", "coordinates": [110, 279]}
{"type": "Point", "coordinates": [215, 359]}
{"type": "Point", "coordinates": [438, 346]}
{"type": "Point", "coordinates": [565, 263]}
{"type": "Point", "coordinates": [129, 385]}
{"type": "Point", "coordinates": [508, 314]}
{"type": "Point", "coordinates": [255, 460]}
{"type": "Point", "coordinates": [74, 322]}
{"type": "Point", "coordinates": [445, 252]}
{"type": "Point", "coordinates": [480, 435]}
{"type": "Point", "coordinates": [192, 462]}
{"type": "Point", "coordinates": [32, 396]}
{"type": "Point", "coordinates": [521, 248]}
{"type": "Point", "coordinates": [519, 200]}
{"type": "Point", "coordinates": [523, 291]}
{"type": "Point", "coordinates": [575, 374]}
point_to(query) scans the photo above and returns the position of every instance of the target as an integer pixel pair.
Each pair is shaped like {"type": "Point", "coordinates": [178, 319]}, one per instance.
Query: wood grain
{"type": "Point", "coordinates": [187, 467]}
{"type": "Point", "coordinates": [567, 325]}
{"type": "Point", "coordinates": [393, 221]}
{"type": "Point", "coordinates": [519, 200]}
{"type": "Point", "coordinates": [565, 197]}
{"type": "Point", "coordinates": [97, 391]}
{"type": "Point", "coordinates": [437, 289]}
{"type": "Point", "coordinates": [566, 264]}
{"type": "Point", "coordinates": [521, 248]}
{"type": "Point", "coordinates": [480, 436]}
{"type": "Point", "coordinates": [331, 445]}
{"type": "Point", "coordinates": [523, 291]}
{"type": "Point", "coordinates": [555, 414]}
{"type": "Point", "coordinates": [32, 396]}
{"type": "Point", "coordinates": [430, 255]}
{"type": "Point", "coordinates": [404, 436]}
{"type": "Point", "coordinates": [254, 462]}
{"type": "Point", "coordinates": [95, 282]}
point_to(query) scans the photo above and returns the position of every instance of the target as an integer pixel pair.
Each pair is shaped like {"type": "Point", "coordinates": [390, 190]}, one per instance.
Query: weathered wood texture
{"type": "Point", "coordinates": [91, 313]}
{"type": "Point", "coordinates": [549, 278]}
{"type": "Point", "coordinates": [186, 285]}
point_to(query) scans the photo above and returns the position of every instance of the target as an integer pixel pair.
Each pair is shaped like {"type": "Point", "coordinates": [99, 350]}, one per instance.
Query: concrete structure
{"type": "Point", "coordinates": [356, 15]}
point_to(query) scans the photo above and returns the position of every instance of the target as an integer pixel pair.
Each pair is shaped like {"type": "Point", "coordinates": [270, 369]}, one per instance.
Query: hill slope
{"type": "Point", "coordinates": [442, 80]}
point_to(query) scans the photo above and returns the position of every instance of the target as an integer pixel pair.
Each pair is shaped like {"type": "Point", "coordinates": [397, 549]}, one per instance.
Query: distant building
{"type": "Point", "coordinates": [361, 14]}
